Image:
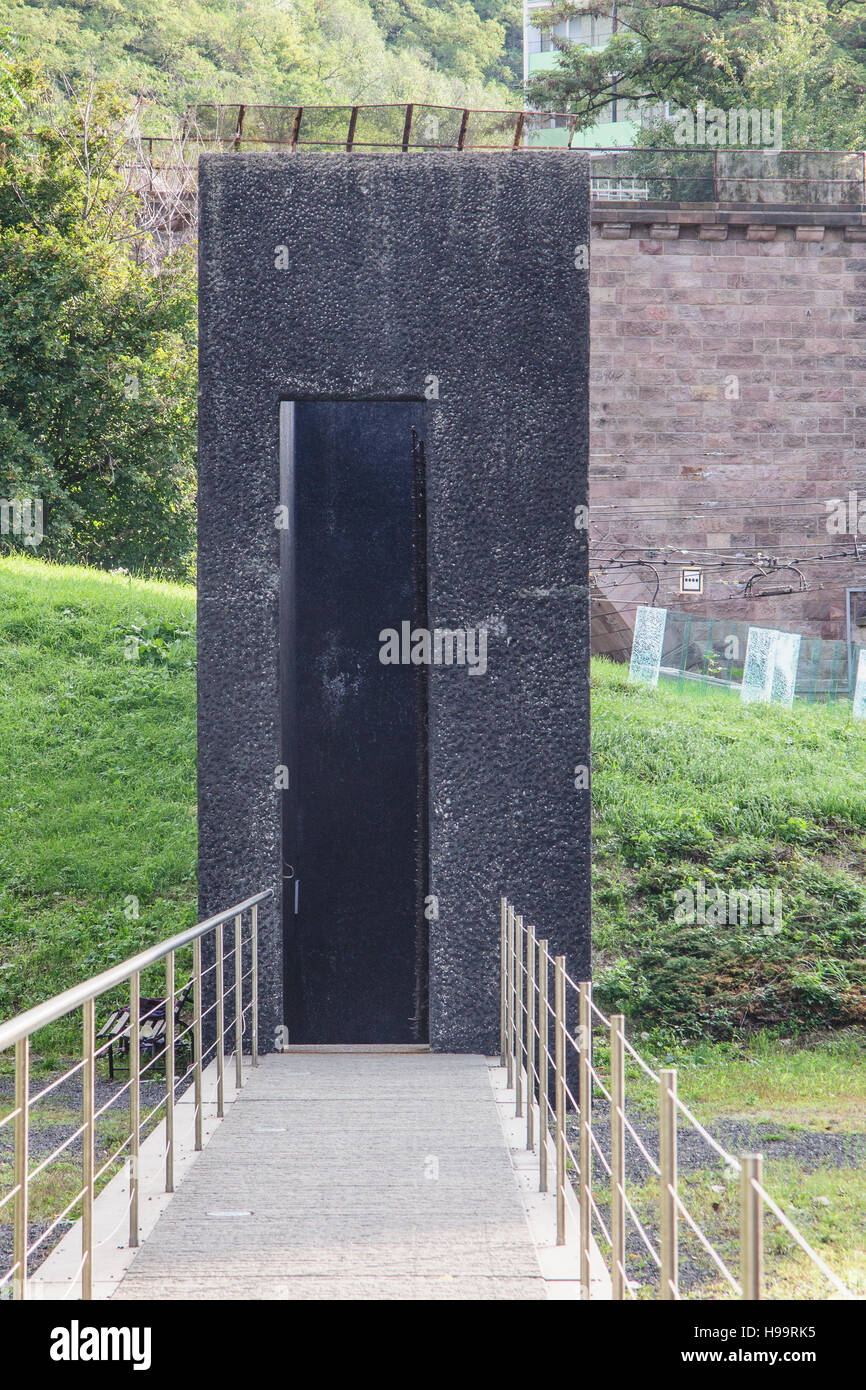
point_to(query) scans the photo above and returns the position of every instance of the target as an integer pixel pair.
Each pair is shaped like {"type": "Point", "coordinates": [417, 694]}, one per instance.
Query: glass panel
{"type": "Point", "coordinates": [268, 125]}
{"type": "Point", "coordinates": [859, 707]}
{"type": "Point", "coordinates": [646, 650]}
{"type": "Point", "coordinates": [787, 654]}
{"type": "Point", "coordinates": [782, 666]}
{"type": "Point", "coordinates": [326, 127]}
{"type": "Point", "coordinates": [491, 130]}
{"type": "Point", "coordinates": [382, 127]}
{"type": "Point", "coordinates": [760, 666]}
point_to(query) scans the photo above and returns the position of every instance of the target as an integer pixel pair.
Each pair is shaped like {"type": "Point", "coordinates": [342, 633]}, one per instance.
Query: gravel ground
{"type": "Point", "coordinates": [809, 1149]}
{"type": "Point", "coordinates": [44, 1138]}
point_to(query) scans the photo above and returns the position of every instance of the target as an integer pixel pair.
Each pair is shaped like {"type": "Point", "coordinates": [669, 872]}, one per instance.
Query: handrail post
{"type": "Point", "coordinates": [585, 1149]}
{"type": "Point", "coordinates": [617, 1154]}
{"type": "Point", "coordinates": [530, 1037]}
{"type": "Point", "coordinates": [254, 967]}
{"type": "Point", "coordinates": [503, 978]}
{"type": "Point", "coordinates": [518, 1016]}
{"type": "Point", "coordinates": [751, 1227]}
{"type": "Point", "coordinates": [88, 1096]}
{"type": "Point", "coordinates": [296, 129]}
{"type": "Point", "coordinates": [196, 994]}
{"type": "Point", "coordinates": [668, 1164]}
{"type": "Point", "coordinates": [169, 1071]}
{"type": "Point", "coordinates": [509, 997]}
{"type": "Point", "coordinates": [22, 1165]}
{"type": "Point", "coordinates": [239, 1005]}
{"type": "Point", "coordinates": [559, 1065]}
{"type": "Point", "coordinates": [134, 1101]}
{"type": "Point", "coordinates": [543, 1054]}
{"type": "Point", "coordinates": [240, 126]}
{"type": "Point", "coordinates": [407, 126]}
{"type": "Point", "coordinates": [219, 944]}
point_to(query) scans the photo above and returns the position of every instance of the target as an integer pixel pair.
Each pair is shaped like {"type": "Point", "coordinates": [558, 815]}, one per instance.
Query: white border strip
{"type": "Point", "coordinates": [560, 1264]}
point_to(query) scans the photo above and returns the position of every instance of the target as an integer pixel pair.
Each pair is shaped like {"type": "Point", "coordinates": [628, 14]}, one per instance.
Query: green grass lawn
{"type": "Point", "coordinates": [97, 798]}
{"type": "Point", "coordinates": [691, 792]}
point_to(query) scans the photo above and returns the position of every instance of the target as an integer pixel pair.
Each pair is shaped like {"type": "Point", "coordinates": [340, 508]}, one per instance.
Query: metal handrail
{"type": "Point", "coordinates": [19, 1030]}
{"type": "Point", "coordinates": [526, 1056]}
{"type": "Point", "coordinates": [53, 1009]}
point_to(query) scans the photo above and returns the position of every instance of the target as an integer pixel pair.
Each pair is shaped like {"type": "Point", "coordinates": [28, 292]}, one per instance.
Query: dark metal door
{"type": "Point", "coordinates": [354, 823]}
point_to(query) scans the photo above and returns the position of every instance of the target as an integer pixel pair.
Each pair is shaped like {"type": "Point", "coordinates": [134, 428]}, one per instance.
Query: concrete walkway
{"type": "Point", "coordinates": [348, 1175]}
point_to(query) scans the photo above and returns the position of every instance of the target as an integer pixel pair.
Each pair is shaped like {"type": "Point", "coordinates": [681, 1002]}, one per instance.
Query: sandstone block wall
{"type": "Point", "coordinates": [728, 366]}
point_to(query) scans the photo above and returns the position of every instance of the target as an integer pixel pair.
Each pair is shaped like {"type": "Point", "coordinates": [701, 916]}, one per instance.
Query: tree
{"type": "Point", "coordinates": [461, 37]}
{"type": "Point", "coordinates": [804, 57]}
{"type": "Point", "coordinates": [97, 344]}
{"type": "Point", "coordinates": [179, 52]}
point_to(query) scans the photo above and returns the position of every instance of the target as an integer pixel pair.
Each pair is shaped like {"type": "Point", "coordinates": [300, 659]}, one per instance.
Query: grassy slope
{"type": "Point", "coordinates": [98, 788]}
{"type": "Point", "coordinates": [692, 788]}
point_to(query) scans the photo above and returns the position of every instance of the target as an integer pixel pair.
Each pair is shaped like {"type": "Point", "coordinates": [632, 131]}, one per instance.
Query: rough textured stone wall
{"type": "Point", "coordinates": [394, 273]}
{"type": "Point", "coordinates": [727, 404]}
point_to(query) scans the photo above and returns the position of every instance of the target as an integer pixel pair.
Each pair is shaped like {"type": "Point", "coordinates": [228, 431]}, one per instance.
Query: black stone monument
{"type": "Point", "coordinates": [393, 619]}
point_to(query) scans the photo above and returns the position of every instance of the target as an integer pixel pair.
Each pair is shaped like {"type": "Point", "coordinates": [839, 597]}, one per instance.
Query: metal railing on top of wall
{"type": "Point", "coordinates": [18, 1032]}
{"type": "Point", "coordinates": [739, 174]}
{"type": "Point", "coordinates": [526, 1019]}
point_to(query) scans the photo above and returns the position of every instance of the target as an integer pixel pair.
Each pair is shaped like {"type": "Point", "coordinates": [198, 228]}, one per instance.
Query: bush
{"type": "Point", "coordinates": [97, 349]}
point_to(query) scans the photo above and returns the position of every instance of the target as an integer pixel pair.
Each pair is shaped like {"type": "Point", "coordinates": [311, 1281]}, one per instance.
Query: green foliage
{"type": "Point", "coordinates": [804, 57]}
{"type": "Point", "coordinates": [681, 832]}
{"type": "Point", "coordinates": [732, 798]}
{"type": "Point", "coordinates": [97, 350]}
{"type": "Point", "coordinates": [155, 643]}
{"type": "Point", "coordinates": [460, 37]}
{"type": "Point", "coordinates": [285, 51]}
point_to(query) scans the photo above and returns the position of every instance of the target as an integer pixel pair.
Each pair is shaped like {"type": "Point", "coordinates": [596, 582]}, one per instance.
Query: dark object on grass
{"type": "Point", "coordinates": [152, 1028]}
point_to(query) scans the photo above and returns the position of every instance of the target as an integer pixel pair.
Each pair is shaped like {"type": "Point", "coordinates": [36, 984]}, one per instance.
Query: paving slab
{"type": "Point", "coordinates": [348, 1175]}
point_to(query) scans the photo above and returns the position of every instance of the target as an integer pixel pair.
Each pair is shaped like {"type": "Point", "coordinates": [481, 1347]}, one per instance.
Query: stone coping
{"type": "Point", "coordinates": [719, 215]}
